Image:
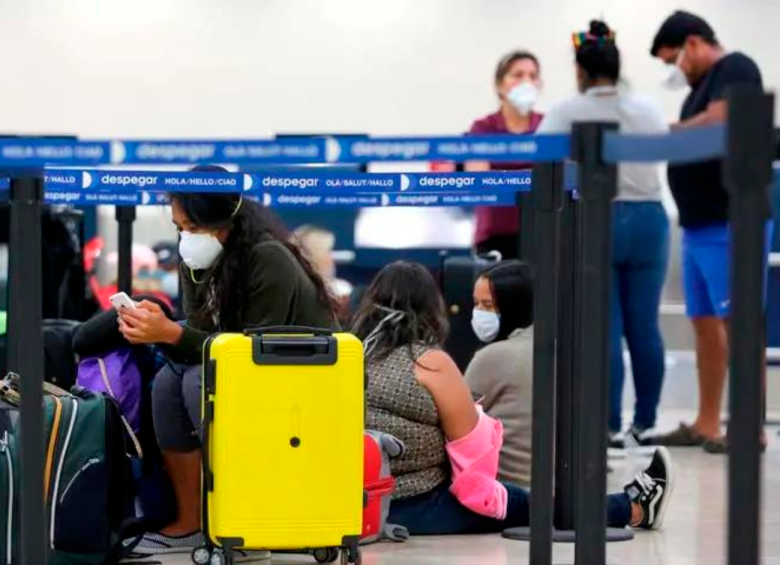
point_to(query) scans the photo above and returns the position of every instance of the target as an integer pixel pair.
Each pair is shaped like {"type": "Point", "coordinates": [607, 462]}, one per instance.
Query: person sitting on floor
{"type": "Point", "coordinates": [239, 270]}
{"type": "Point", "coordinates": [416, 393]}
{"type": "Point", "coordinates": [501, 374]}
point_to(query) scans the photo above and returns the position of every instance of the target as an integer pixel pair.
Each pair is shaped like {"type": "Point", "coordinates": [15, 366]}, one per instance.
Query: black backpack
{"type": "Point", "coordinates": [90, 486]}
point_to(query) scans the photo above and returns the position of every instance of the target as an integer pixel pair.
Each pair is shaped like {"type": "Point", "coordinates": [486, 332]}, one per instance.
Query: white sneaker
{"type": "Point", "coordinates": [616, 445]}
{"type": "Point", "coordinates": [639, 441]}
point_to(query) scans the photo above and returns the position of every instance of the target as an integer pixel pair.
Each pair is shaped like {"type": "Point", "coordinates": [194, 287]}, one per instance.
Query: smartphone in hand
{"type": "Point", "coordinates": [121, 300]}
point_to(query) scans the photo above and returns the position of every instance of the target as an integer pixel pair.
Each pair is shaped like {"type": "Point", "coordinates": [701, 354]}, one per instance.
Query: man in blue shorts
{"type": "Point", "coordinates": [688, 45]}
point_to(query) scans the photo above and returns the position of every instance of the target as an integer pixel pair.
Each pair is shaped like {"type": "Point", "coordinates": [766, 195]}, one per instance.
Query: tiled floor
{"type": "Point", "coordinates": [694, 533]}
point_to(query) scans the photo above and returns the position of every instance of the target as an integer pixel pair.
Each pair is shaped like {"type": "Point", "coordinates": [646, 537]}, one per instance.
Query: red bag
{"type": "Point", "coordinates": [378, 485]}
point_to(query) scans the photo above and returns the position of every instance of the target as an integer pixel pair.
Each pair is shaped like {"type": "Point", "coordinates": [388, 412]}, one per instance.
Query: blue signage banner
{"type": "Point", "coordinates": [33, 152]}
{"type": "Point", "coordinates": [688, 145]}
{"type": "Point", "coordinates": [329, 150]}
{"type": "Point", "coordinates": [328, 199]}
{"type": "Point", "coordinates": [282, 151]}
{"type": "Point", "coordinates": [307, 199]}
{"type": "Point", "coordinates": [305, 189]}
{"type": "Point", "coordinates": [293, 151]}
{"type": "Point", "coordinates": [309, 180]}
{"type": "Point", "coordinates": [691, 145]}
{"type": "Point", "coordinates": [155, 181]}
{"type": "Point", "coordinates": [394, 182]}
{"type": "Point", "coordinates": [459, 149]}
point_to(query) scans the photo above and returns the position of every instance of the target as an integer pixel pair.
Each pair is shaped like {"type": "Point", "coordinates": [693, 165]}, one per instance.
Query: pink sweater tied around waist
{"type": "Point", "coordinates": [474, 460]}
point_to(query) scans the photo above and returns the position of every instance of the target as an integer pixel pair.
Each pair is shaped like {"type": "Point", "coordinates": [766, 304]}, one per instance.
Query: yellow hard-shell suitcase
{"type": "Point", "coordinates": [283, 443]}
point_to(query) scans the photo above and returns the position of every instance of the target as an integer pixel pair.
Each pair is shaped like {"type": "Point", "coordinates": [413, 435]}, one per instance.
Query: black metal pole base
{"type": "Point", "coordinates": [567, 536]}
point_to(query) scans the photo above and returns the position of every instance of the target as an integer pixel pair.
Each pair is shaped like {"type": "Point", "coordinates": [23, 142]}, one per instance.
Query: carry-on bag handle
{"type": "Point", "coordinates": [287, 330]}
{"type": "Point", "coordinates": [293, 345]}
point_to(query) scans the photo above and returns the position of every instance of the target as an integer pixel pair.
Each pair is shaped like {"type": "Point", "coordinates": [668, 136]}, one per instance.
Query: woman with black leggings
{"type": "Point", "coordinates": [238, 270]}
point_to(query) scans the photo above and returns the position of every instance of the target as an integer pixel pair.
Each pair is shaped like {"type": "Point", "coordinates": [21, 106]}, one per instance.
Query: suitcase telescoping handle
{"type": "Point", "coordinates": [281, 330]}
{"type": "Point", "coordinates": [293, 345]}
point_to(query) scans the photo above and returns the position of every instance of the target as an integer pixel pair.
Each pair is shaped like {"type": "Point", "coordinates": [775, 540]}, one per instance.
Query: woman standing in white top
{"type": "Point", "coordinates": [640, 225]}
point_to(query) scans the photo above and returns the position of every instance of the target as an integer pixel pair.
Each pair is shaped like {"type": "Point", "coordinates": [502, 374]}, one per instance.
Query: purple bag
{"type": "Point", "coordinates": [117, 375]}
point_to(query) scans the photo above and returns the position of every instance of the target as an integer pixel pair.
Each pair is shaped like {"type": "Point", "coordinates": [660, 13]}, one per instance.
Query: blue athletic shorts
{"type": "Point", "coordinates": [706, 269]}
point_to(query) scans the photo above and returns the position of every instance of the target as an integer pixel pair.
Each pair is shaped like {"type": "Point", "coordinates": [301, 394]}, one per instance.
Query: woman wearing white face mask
{"type": "Point", "coordinates": [238, 270]}
{"type": "Point", "coordinates": [501, 373]}
{"type": "Point", "coordinates": [517, 83]}
{"type": "Point", "coordinates": [446, 479]}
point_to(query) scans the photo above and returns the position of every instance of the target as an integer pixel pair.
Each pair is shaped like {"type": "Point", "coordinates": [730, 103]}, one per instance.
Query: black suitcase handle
{"type": "Point", "coordinates": [303, 350]}
{"type": "Point", "coordinates": [208, 475]}
{"type": "Point", "coordinates": [287, 330]}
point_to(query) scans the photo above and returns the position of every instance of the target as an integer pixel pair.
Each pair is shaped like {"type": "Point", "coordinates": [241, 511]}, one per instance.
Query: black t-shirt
{"type": "Point", "coordinates": [698, 188]}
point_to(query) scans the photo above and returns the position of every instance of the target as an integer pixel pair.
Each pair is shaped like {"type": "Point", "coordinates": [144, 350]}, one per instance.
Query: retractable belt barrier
{"type": "Point", "coordinates": [310, 188]}
{"type": "Point", "coordinates": [571, 223]}
{"type": "Point", "coordinates": [680, 146]}
{"type": "Point", "coordinates": [294, 189]}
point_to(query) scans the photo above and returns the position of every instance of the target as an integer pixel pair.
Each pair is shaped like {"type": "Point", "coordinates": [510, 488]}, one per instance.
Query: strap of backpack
{"type": "Point", "coordinates": [110, 389]}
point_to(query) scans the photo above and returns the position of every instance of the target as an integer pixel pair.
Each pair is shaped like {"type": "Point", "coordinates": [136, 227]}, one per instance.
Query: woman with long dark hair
{"type": "Point", "coordinates": [416, 393]}
{"type": "Point", "coordinates": [640, 230]}
{"type": "Point", "coordinates": [239, 270]}
{"type": "Point", "coordinates": [501, 373]}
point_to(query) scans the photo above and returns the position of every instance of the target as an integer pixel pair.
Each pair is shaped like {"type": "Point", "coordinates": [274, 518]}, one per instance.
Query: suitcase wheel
{"type": "Point", "coordinates": [201, 556]}
{"type": "Point", "coordinates": [351, 556]}
{"type": "Point", "coordinates": [326, 555]}
{"type": "Point", "coordinates": [219, 558]}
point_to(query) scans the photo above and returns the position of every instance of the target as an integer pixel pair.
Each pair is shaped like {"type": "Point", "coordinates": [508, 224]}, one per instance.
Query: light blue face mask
{"type": "Point", "coordinates": [486, 325]}
{"type": "Point", "coordinates": [523, 97]}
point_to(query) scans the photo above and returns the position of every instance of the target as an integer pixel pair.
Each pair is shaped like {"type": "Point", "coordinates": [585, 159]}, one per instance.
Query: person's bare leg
{"type": "Point", "coordinates": [184, 470]}
{"type": "Point", "coordinates": [637, 514]}
{"type": "Point", "coordinates": [712, 363]}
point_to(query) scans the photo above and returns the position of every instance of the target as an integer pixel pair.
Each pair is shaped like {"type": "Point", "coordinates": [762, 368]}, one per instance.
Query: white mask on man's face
{"type": "Point", "coordinates": [676, 79]}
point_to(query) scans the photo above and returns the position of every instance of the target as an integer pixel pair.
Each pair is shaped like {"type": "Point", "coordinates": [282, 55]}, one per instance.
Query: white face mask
{"type": "Point", "coordinates": [199, 250]}
{"type": "Point", "coordinates": [486, 325]}
{"type": "Point", "coordinates": [676, 79]}
{"type": "Point", "coordinates": [523, 97]}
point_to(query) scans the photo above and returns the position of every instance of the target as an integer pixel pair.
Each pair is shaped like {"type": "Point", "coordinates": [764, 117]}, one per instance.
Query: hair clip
{"type": "Point", "coordinates": [581, 38]}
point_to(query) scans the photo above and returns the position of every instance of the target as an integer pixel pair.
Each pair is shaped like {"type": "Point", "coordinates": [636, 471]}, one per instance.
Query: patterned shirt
{"type": "Point", "coordinates": [399, 405]}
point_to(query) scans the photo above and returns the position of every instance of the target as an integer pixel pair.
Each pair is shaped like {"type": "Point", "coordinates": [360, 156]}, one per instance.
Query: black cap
{"type": "Point", "coordinates": [677, 28]}
{"type": "Point", "coordinates": [167, 253]}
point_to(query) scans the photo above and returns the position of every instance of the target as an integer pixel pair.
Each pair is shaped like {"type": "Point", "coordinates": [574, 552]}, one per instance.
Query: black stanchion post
{"type": "Point", "coordinates": [548, 198]}
{"type": "Point", "coordinates": [547, 202]}
{"type": "Point", "coordinates": [598, 186]}
{"type": "Point", "coordinates": [525, 244]}
{"type": "Point", "coordinates": [125, 216]}
{"type": "Point", "coordinates": [566, 358]}
{"type": "Point", "coordinates": [25, 356]}
{"type": "Point", "coordinates": [747, 174]}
